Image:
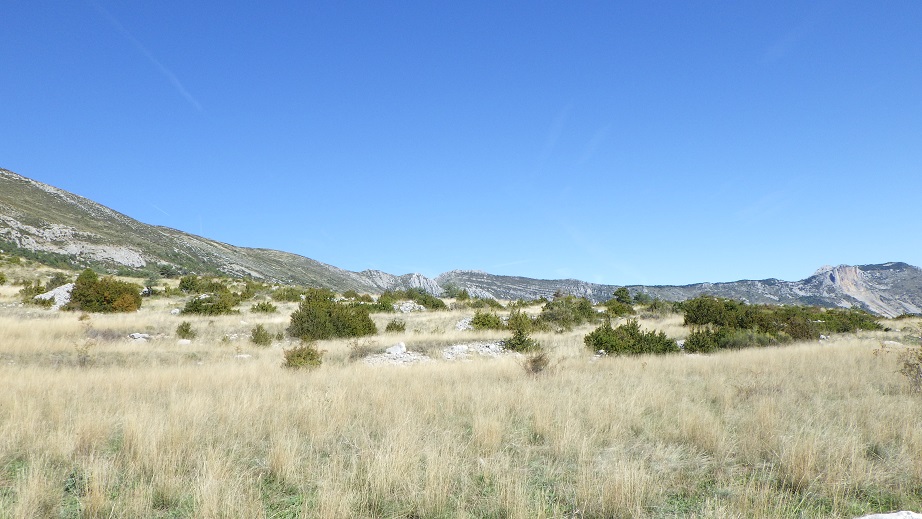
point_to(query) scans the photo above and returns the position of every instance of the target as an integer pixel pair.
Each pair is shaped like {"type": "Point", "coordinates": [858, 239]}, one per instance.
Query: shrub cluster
{"type": "Point", "coordinates": [727, 324]}
{"type": "Point", "coordinates": [320, 317]}
{"type": "Point", "coordinates": [214, 296]}
{"type": "Point", "coordinates": [521, 325]}
{"type": "Point", "coordinates": [264, 307]}
{"type": "Point", "coordinates": [567, 311]}
{"type": "Point", "coordinates": [629, 339]}
{"type": "Point", "coordinates": [94, 294]}
{"type": "Point", "coordinates": [388, 298]}
{"type": "Point", "coordinates": [289, 294]}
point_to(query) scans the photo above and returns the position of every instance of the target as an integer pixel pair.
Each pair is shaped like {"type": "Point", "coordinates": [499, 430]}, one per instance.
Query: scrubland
{"type": "Point", "coordinates": [95, 425]}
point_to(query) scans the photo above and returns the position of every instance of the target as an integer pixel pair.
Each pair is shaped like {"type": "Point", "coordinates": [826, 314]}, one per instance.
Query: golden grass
{"type": "Point", "coordinates": [161, 429]}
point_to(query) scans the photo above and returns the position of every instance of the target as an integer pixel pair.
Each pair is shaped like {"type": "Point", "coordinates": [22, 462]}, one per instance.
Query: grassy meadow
{"type": "Point", "coordinates": [93, 424]}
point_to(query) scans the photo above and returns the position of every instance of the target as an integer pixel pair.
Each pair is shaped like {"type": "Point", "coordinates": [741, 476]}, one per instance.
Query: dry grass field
{"type": "Point", "coordinates": [95, 425]}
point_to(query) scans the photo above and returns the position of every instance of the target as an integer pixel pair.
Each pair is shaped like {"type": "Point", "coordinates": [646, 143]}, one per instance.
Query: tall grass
{"type": "Point", "coordinates": [161, 429]}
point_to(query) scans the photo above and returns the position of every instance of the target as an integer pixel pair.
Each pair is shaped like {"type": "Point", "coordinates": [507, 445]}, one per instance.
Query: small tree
{"type": "Point", "coordinates": [94, 294]}
{"type": "Point", "coordinates": [622, 295]}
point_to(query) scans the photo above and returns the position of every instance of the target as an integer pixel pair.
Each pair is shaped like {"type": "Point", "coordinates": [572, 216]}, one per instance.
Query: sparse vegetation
{"type": "Point", "coordinates": [264, 307]}
{"type": "Point", "coordinates": [911, 368]}
{"type": "Point", "coordinates": [184, 330]}
{"type": "Point", "coordinates": [203, 431]}
{"type": "Point", "coordinates": [396, 326]}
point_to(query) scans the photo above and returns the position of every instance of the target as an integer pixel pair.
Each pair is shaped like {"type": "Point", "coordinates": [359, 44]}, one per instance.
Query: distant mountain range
{"type": "Point", "coordinates": [65, 228]}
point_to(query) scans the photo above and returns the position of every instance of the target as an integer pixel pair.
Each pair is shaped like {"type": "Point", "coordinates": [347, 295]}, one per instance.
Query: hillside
{"type": "Point", "coordinates": [65, 228]}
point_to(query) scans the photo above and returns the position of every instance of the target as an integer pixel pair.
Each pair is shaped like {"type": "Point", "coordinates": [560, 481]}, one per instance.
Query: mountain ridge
{"type": "Point", "coordinates": [38, 217]}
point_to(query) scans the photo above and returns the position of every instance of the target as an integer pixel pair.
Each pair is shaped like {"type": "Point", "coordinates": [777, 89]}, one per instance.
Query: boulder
{"type": "Point", "coordinates": [60, 295]}
{"type": "Point", "coordinates": [397, 349]}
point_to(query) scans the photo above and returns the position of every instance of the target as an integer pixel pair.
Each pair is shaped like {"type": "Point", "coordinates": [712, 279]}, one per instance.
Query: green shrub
{"type": "Point", "coordinates": [185, 331]}
{"type": "Point", "coordinates": [350, 294]}
{"type": "Point", "coordinates": [94, 294]}
{"type": "Point", "coordinates": [396, 326]}
{"type": "Point", "coordinates": [264, 307]}
{"type": "Point", "coordinates": [2, 278]}
{"type": "Point", "coordinates": [519, 320]}
{"type": "Point", "coordinates": [629, 339]}
{"type": "Point", "coordinates": [319, 317]}
{"type": "Point", "coordinates": [622, 295]}
{"type": "Point", "coordinates": [486, 321]}
{"type": "Point", "coordinates": [521, 342]}
{"type": "Point", "coordinates": [565, 312]}
{"type": "Point", "coordinates": [304, 356]}
{"type": "Point", "coordinates": [616, 308]}
{"type": "Point", "coordinates": [260, 336]}
{"type": "Point", "coordinates": [57, 280]}
{"type": "Point", "coordinates": [288, 294]}
{"type": "Point", "coordinates": [735, 324]}
{"type": "Point", "coordinates": [212, 304]}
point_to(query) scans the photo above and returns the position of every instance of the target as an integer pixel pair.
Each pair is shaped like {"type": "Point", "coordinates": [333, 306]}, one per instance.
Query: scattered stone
{"type": "Point", "coordinates": [397, 349]}
{"type": "Point", "coordinates": [242, 356]}
{"type": "Point", "coordinates": [183, 342]}
{"type": "Point", "coordinates": [824, 337]}
{"type": "Point", "coordinates": [139, 336]}
{"type": "Point", "coordinates": [60, 295]}
{"type": "Point", "coordinates": [175, 311]}
{"type": "Point", "coordinates": [601, 354]}
{"type": "Point", "coordinates": [465, 351]}
{"type": "Point", "coordinates": [464, 324]}
{"type": "Point", "coordinates": [892, 343]}
{"type": "Point", "coordinates": [406, 307]}
{"type": "Point", "coordinates": [398, 358]}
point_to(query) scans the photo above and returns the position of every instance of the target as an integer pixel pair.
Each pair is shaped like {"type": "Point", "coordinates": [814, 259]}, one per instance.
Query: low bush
{"type": "Point", "coordinates": [734, 324]}
{"type": "Point", "coordinates": [212, 304]}
{"type": "Point", "coordinates": [260, 336]}
{"type": "Point", "coordinates": [319, 317]}
{"type": "Point", "coordinates": [2, 278]}
{"type": "Point", "coordinates": [105, 295]}
{"type": "Point", "coordinates": [521, 342]}
{"type": "Point", "coordinates": [289, 294]}
{"type": "Point", "coordinates": [396, 326]}
{"type": "Point", "coordinates": [629, 339]}
{"type": "Point", "coordinates": [565, 312]}
{"type": "Point", "coordinates": [616, 308]}
{"type": "Point", "coordinates": [264, 307]}
{"type": "Point", "coordinates": [487, 321]}
{"type": "Point", "coordinates": [536, 362]}
{"type": "Point", "coordinates": [185, 331]}
{"type": "Point", "coordinates": [304, 356]}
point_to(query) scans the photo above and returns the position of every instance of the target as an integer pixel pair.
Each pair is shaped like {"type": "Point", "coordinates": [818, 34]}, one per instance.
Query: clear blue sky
{"type": "Point", "coordinates": [616, 142]}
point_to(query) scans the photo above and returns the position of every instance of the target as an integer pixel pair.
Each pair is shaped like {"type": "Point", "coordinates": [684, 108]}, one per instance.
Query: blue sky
{"type": "Point", "coordinates": [616, 142]}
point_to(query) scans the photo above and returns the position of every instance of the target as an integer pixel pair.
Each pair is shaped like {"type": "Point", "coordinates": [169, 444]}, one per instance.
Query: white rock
{"type": "Point", "coordinates": [397, 349]}
{"type": "Point", "coordinates": [464, 324]}
{"type": "Point", "coordinates": [242, 356]}
{"type": "Point", "coordinates": [183, 341]}
{"type": "Point", "coordinates": [175, 311]}
{"type": "Point", "coordinates": [60, 295]}
{"type": "Point", "coordinates": [137, 336]}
